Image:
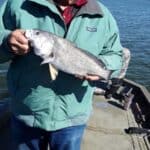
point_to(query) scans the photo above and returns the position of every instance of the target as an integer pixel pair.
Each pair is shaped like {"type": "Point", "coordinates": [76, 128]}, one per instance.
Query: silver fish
{"type": "Point", "coordinates": [63, 55]}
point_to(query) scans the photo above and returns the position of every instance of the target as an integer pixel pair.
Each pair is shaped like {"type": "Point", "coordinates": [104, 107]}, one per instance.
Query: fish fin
{"type": "Point", "coordinates": [44, 61]}
{"type": "Point", "coordinates": [53, 71]}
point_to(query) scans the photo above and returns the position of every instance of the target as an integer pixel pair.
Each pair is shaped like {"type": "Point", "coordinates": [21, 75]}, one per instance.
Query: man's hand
{"type": "Point", "coordinates": [92, 77]}
{"type": "Point", "coordinates": [88, 77]}
{"type": "Point", "coordinates": [18, 42]}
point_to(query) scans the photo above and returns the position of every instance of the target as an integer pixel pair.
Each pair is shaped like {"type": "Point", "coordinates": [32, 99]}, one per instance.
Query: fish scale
{"type": "Point", "coordinates": [61, 54]}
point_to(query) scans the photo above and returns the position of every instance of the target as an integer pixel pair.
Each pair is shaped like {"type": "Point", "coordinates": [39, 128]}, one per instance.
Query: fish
{"type": "Point", "coordinates": [62, 54]}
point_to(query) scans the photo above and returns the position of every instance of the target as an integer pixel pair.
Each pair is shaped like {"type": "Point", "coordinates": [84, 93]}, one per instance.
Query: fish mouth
{"type": "Point", "coordinates": [28, 34]}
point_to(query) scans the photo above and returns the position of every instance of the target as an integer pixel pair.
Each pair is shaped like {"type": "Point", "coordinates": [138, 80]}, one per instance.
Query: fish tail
{"type": "Point", "coordinates": [108, 74]}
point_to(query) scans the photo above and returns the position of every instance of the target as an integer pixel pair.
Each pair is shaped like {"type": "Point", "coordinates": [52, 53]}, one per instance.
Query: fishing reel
{"type": "Point", "coordinates": [112, 87]}
{"type": "Point", "coordinates": [115, 88]}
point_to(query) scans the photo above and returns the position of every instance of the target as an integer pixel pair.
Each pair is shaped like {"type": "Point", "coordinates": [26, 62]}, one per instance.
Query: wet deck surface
{"type": "Point", "coordinates": [106, 128]}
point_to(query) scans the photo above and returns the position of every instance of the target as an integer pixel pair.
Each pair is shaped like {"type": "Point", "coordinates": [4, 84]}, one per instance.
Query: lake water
{"type": "Point", "coordinates": [133, 18]}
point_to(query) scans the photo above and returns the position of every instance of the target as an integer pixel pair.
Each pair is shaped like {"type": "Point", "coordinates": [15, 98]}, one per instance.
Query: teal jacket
{"type": "Point", "coordinates": [67, 101]}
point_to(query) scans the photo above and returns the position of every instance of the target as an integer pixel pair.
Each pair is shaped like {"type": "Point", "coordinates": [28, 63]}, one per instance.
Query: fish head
{"type": "Point", "coordinates": [42, 43]}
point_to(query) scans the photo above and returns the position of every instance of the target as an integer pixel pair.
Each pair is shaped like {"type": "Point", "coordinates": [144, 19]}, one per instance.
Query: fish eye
{"type": "Point", "coordinates": [51, 55]}
{"type": "Point", "coordinates": [37, 33]}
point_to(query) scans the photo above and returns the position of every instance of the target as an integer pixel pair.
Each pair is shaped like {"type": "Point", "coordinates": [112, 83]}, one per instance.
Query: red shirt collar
{"type": "Point", "coordinates": [80, 2]}
{"type": "Point", "coordinates": [68, 12]}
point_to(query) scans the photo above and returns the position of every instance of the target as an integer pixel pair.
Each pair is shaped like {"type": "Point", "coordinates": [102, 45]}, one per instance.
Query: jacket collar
{"type": "Point", "coordinates": [91, 7]}
{"type": "Point", "coordinates": [47, 3]}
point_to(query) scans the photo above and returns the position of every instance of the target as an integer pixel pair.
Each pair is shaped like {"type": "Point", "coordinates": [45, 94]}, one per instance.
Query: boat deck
{"type": "Point", "coordinates": [106, 128]}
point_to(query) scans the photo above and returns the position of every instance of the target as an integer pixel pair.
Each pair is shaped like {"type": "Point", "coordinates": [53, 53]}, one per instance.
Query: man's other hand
{"type": "Point", "coordinates": [88, 77]}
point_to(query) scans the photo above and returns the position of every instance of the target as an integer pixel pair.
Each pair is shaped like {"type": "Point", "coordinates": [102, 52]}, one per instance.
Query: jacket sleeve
{"type": "Point", "coordinates": [111, 53]}
{"type": "Point", "coordinates": [5, 29]}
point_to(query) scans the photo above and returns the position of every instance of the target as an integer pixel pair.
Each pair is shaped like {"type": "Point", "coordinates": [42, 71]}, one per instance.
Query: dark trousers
{"type": "Point", "coordinates": [28, 138]}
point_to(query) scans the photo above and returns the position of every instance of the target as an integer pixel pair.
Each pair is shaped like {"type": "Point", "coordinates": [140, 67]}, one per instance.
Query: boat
{"type": "Point", "coordinates": [119, 122]}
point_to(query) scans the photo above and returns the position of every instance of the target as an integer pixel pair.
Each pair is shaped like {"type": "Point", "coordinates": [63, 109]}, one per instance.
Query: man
{"type": "Point", "coordinates": [58, 110]}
